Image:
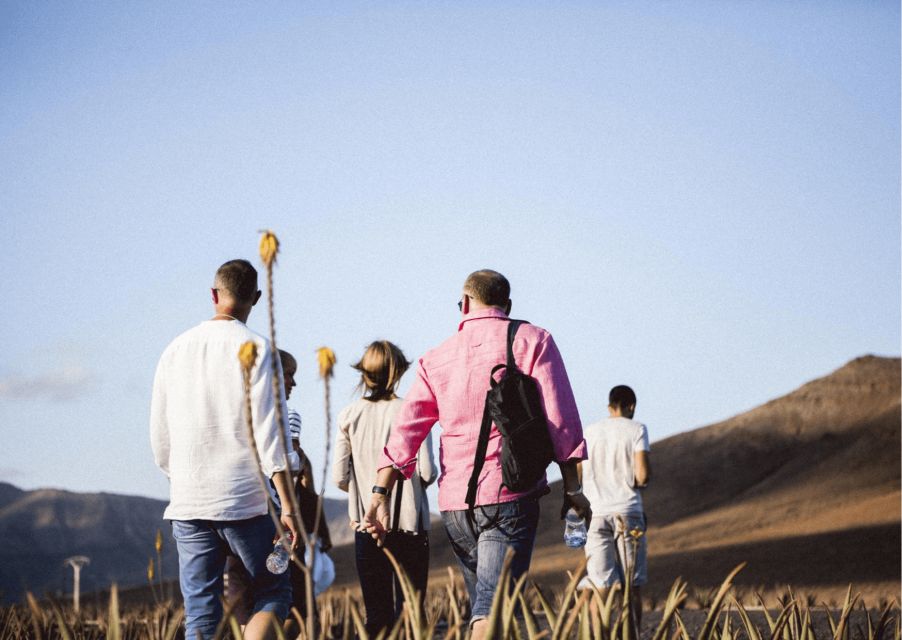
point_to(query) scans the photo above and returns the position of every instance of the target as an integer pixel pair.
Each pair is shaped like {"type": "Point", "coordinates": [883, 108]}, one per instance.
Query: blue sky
{"type": "Point", "coordinates": [700, 200]}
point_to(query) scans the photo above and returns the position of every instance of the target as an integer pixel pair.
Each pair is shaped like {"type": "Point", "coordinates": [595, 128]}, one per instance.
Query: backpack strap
{"type": "Point", "coordinates": [512, 327]}
{"type": "Point", "coordinates": [479, 461]}
{"type": "Point", "coordinates": [486, 426]}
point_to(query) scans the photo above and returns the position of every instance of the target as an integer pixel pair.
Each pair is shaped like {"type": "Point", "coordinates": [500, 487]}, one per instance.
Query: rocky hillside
{"type": "Point", "coordinates": [40, 529]}
{"type": "Point", "coordinates": [806, 488]}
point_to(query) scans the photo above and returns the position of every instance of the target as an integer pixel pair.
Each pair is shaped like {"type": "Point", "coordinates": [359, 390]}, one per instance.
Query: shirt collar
{"type": "Point", "coordinates": [489, 312]}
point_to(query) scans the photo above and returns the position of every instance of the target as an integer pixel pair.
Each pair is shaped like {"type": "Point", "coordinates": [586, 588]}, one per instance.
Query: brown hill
{"type": "Point", "coordinates": [39, 529]}
{"type": "Point", "coordinates": [805, 488]}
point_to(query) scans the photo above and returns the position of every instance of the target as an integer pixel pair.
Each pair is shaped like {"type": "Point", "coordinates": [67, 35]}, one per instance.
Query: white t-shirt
{"type": "Point", "coordinates": [198, 428]}
{"type": "Point", "coordinates": [609, 480]}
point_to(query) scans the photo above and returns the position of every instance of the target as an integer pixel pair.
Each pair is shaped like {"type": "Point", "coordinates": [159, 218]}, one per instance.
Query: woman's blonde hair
{"type": "Point", "coordinates": [381, 368]}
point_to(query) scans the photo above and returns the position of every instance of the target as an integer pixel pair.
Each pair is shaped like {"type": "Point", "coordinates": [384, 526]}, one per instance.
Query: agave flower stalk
{"type": "Point", "coordinates": [158, 546]}
{"type": "Point", "coordinates": [150, 576]}
{"type": "Point", "coordinates": [326, 360]}
{"type": "Point", "coordinates": [269, 250]}
{"type": "Point", "coordinates": [247, 356]}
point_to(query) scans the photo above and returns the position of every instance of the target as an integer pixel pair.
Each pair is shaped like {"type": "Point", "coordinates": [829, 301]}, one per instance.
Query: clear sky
{"type": "Point", "coordinates": [700, 200]}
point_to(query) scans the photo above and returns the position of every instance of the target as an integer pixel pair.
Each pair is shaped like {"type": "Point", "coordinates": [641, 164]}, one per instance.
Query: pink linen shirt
{"type": "Point", "coordinates": [450, 388]}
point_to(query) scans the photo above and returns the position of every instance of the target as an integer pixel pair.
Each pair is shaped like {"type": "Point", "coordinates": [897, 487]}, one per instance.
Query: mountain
{"type": "Point", "coordinates": [40, 529]}
{"type": "Point", "coordinates": [806, 488]}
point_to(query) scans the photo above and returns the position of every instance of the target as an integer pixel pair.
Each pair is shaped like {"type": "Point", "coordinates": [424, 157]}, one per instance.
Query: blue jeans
{"type": "Point", "coordinates": [481, 544]}
{"type": "Point", "coordinates": [202, 546]}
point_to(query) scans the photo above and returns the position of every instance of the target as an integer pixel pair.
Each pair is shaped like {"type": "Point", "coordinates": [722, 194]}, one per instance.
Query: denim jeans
{"type": "Point", "coordinates": [202, 547]}
{"type": "Point", "coordinates": [481, 544]}
{"type": "Point", "coordinates": [382, 595]}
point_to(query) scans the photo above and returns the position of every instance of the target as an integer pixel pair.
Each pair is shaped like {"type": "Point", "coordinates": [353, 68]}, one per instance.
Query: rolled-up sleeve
{"type": "Point", "coordinates": [273, 457]}
{"type": "Point", "coordinates": [564, 425]}
{"type": "Point", "coordinates": [412, 424]}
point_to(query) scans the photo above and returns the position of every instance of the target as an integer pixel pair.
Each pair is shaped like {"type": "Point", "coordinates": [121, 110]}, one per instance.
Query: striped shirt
{"type": "Point", "coordinates": [294, 424]}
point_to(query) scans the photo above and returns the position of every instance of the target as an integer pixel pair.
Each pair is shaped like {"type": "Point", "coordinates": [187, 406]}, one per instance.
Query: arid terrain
{"type": "Point", "coordinates": [39, 529]}
{"type": "Point", "coordinates": [805, 488]}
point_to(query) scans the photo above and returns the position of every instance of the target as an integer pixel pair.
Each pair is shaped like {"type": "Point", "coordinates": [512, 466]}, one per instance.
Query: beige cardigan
{"type": "Point", "coordinates": [363, 430]}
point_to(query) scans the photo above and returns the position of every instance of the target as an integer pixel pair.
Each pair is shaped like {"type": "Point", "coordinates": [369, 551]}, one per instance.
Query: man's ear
{"type": "Point", "coordinates": [507, 308]}
{"type": "Point", "coordinates": [257, 297]}
{"type": "Point", "coordinates": [215, 294]}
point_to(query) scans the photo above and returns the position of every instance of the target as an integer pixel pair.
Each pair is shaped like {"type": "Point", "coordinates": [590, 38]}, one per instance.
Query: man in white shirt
{"type": "Point", "coordinates": [199, 437]}
{"type": "Point", "coordinates": [615, 471]}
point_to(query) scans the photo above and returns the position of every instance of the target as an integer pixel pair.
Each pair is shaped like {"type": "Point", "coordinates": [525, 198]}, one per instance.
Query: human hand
{"type": "Point", "coordinates": [376, 519]}
{"type": "Point", "coordinates": [291, 528]}
{"type": "Point", "coordinates": [580, 504]}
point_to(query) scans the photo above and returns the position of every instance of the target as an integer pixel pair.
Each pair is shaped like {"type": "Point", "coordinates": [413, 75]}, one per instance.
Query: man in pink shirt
{"type": "Point", "coordinates": [450, 388]}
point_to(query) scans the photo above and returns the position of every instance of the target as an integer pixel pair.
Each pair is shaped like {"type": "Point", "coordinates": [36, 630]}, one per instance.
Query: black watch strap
{"type": "Point", "coordinates": [381, 490]}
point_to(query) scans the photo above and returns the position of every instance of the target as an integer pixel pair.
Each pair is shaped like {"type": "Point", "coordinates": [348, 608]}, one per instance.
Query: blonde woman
{"type": "Point", "coordinates": [363, 430]}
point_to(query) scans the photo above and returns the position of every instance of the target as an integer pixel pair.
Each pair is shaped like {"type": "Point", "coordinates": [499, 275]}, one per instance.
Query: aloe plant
{"type": "Point", "coordinates": [575, 614]}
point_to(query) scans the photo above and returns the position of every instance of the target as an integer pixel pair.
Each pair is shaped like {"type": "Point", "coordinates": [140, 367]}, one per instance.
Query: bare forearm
{"type": "Point", "coordinates": [573, 490]}
{"type": "Point", "coordinates": [283, 484]}
{"type": "Point", "coordinates": [386, 477]}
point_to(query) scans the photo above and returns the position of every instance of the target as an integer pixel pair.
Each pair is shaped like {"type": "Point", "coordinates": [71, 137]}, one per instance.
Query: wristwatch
{"type": "Point", "coordinates": [380, 490]}
{"type": "Point", "coordinates": [577, 492]}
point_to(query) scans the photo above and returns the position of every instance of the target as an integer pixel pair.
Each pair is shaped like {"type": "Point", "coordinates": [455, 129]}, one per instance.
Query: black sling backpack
{"type": "Point", "coordinates": [514, 405]}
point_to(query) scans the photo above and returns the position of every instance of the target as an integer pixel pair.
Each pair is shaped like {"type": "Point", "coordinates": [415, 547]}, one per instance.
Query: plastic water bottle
{"type": "Point", "coordinates": [277, 561]}
{"type": "Point", "coordinates": [574, 529]}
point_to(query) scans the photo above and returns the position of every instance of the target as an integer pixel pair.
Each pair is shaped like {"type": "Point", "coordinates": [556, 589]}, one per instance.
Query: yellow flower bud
{"type": "Point", "coordinates": [326, 358]}
{"type": "Point", "coordinates": [247, 355]}
{"type": "Point", "coordinates": [158, 541]}
{"type": "Point", "coordinates": [150, 570]}
{"type": "Point", "coordinates": [269, 247]}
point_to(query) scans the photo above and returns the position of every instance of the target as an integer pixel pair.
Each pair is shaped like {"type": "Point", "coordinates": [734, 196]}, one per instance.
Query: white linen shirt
{"type": "Point", "coordinates": [198, 428]}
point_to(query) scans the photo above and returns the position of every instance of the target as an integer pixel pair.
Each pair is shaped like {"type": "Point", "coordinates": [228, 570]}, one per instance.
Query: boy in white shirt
{"type": "Point", "coordinates": [615, 471]}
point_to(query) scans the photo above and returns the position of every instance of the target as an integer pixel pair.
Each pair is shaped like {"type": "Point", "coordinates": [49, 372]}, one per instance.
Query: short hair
{"type": "Point", "coordinates": [239, 279]}
{"type": "Point", "coordinates": [287, 360]}
{"type": "Point", "coordinates": [381, 368]}
{"type": "Point", "coordinates": [622, 397]}
{"type": "Point", "coordinates": [489, 287]}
